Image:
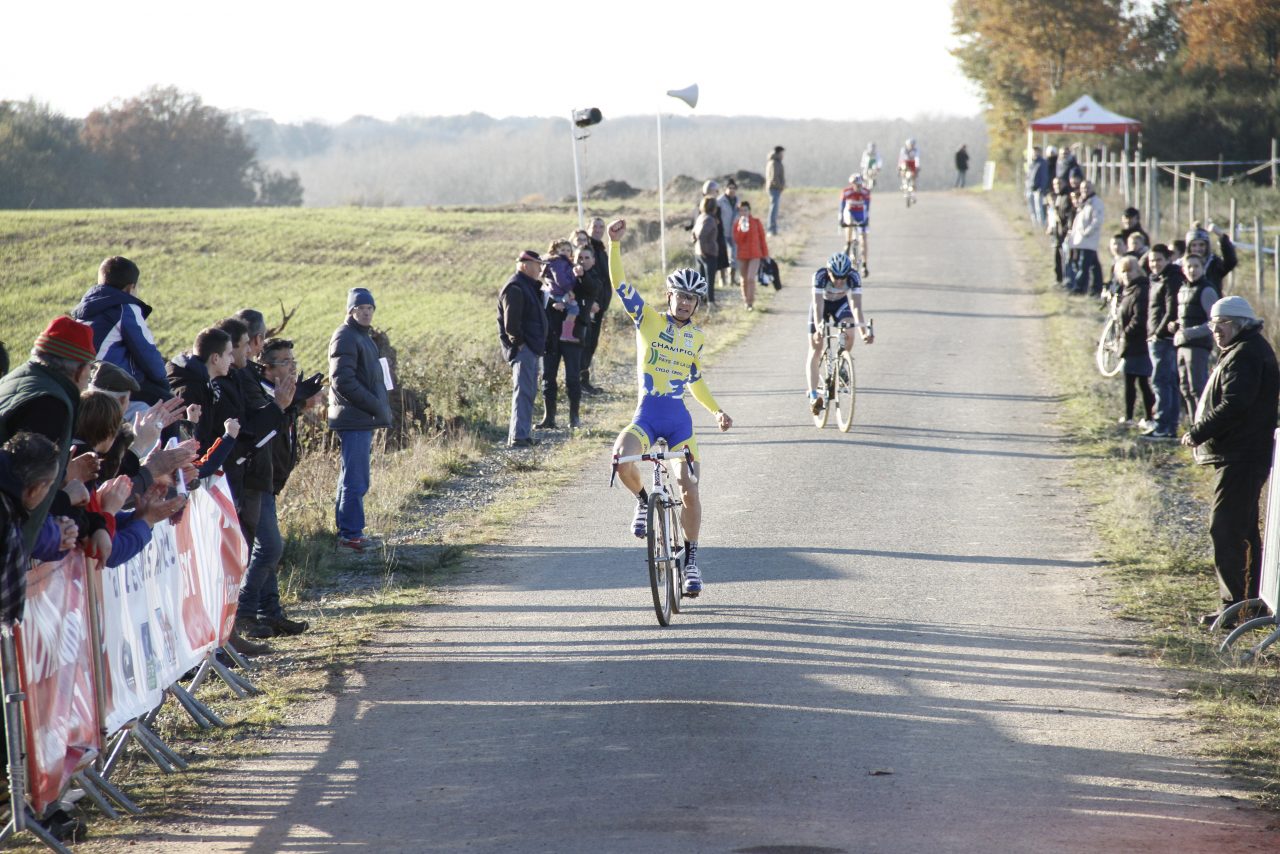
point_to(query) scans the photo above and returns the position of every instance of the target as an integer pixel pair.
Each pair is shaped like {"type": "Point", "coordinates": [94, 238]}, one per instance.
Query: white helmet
{"type": "Point", "coordinates": [871, 147]}
{"type": "Point", "coordinates": [911, 142]}
{"type": "Point", "coordinates": [686, 281]}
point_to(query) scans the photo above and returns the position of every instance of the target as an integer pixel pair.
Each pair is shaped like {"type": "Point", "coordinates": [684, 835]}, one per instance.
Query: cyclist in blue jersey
{"type": "Point", "coordinates": [668, 354]}
{"type": "Point", "coordinates": [837, 294]}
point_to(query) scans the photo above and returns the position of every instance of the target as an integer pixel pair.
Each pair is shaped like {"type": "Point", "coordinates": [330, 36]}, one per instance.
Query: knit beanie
{"type": "Point", "coordinates": [67, 339]}
{"type": "Point", "coordinates": [359, 296]}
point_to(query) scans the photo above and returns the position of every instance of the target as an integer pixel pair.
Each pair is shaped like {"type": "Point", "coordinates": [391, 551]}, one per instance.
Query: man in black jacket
{"type": "Point", "coordinates": [1162, 310]}
{"type": "Point", "coordinates": [358, 405]}
{"type": "Point", "coordinates": [1233, 432]}
{"type": "Point", "coordinates": [522, 331]}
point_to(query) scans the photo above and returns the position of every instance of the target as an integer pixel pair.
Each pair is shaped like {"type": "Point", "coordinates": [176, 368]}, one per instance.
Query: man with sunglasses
{"type": "Point", "coordinates": [837, 295]}
{"type": "Point", "coordinates": [668, 354]}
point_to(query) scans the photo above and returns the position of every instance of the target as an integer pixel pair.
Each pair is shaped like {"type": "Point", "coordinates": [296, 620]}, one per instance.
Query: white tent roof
{"type": "Point", "coordinates": [1086, 116]}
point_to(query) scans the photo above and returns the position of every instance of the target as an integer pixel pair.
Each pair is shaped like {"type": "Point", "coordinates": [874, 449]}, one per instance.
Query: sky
{"type": "Point", "coordinates": [296, 61]}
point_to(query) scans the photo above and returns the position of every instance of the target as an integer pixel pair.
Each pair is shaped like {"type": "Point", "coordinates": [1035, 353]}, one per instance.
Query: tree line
{"type": "Point", "coordinates": [1201, 75]}
{"type": "Point", "coordinates": [164, 148]}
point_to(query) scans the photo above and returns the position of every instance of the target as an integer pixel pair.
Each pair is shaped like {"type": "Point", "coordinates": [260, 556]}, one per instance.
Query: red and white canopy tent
{"type": "Point", "coordinates": [1084, 115]}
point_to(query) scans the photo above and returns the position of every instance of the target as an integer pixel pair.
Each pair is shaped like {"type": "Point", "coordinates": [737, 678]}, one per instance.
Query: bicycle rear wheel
{"type": "Point", "coordinates": [1110, 348]}
{"type": "Point", "coordinates": [846, 391]}
{"type": "Point", "coordinates": [661, 583]}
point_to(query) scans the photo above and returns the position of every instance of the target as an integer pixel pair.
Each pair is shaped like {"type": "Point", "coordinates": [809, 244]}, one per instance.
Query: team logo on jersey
{"type": "Point", "coordinates": [688, 339]}
{"type": "Point", "coordinates": [668, 334]}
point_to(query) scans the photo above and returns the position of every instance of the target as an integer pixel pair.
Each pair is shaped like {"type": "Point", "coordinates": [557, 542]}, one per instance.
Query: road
{"type": "Point", "coordinates": [903, 644]}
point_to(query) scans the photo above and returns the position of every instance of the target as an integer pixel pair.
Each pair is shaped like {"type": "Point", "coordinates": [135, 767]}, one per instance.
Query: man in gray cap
{"type": "Point", "coordinates": [1233, 432]}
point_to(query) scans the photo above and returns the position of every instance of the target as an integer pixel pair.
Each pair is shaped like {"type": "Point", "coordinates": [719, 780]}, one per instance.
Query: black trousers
{"type": "Point", "coordinates": [593, 339]}
{"type": "Point", "coordinates": [1233, 527]}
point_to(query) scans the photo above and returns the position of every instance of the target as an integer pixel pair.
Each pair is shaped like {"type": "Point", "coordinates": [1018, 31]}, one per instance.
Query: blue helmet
{"type": "Point", "coordinates": [839, 265]}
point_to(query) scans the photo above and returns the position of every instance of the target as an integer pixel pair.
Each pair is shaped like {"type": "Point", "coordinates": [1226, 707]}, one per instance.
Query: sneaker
{"type": "Point", "coordinates": [355, 544]}
{"type": "Point", "coordinates": [282, 625]}
{"type": "Point", "coordinates": [545, 424]}
{"type": "Point", "coordinates": [65, 827]}
{"type": "Point", "coordinates": [251, 627]}
{"type": "Point", "coordinates": [1126, 422]}
{"type": "Point", "coordinates": [1146, 425]}
{"type": "Point", "coordinates": [692, 581]}
{"type": "Point", "coordinates": [815, 402]}
{"type": "Point", "coordinates": [522, 443]}
{"type": "Point", "coordinates": [1159, 436]}
{"type": "Point", "coordinates": [640, 523]}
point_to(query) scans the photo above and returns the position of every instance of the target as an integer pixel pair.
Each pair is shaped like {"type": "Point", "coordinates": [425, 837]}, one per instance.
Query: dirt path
{"type": "Point", "coordinates": [901, 645]}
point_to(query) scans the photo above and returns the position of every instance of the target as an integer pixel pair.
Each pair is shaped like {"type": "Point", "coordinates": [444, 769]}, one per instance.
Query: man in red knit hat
{"type": "Point", "coordinates": [43, 396]}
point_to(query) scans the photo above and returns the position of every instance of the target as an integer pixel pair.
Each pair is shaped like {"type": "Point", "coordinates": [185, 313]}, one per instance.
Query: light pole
{"type": "Point", "coordinates": [689, 95]}
{"type": "Point", "coordinates": [580, 119]}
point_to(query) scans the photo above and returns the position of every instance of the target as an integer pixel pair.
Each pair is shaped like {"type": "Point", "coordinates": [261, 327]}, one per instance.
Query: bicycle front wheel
{"type": "Point", "coordinates": [661, 583]}
{"type": "Point", "coordinates": [676, 575]}
{"type": "Point", "coordinates": [846, 391]}
{"type": "Point", "coordinates": [1110, 348]}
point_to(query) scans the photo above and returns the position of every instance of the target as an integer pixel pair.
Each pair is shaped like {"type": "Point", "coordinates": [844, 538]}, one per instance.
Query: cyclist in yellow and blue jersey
{"type": "Point", "coordinates": [668, 350]}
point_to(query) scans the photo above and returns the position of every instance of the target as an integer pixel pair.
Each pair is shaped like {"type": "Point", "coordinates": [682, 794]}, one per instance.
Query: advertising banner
{"type": "Point", "coordinates": [54, 647]}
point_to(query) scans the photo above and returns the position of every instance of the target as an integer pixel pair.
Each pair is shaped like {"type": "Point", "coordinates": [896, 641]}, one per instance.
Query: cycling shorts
{"type": "Point", "coordinates": [836, 310]}
{"type": "Point", "coordinates": [860, 219]}
{"type": "Point", "coordinates": [659, 417]}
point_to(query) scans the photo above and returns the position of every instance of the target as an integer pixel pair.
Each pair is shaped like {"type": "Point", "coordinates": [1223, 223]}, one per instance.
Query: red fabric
{"type": "Point", "coordinates": [751, 243]}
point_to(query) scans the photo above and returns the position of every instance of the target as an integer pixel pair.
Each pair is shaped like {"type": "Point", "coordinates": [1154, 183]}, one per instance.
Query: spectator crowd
{"type": "Point", "coordinates": [1191, 353]}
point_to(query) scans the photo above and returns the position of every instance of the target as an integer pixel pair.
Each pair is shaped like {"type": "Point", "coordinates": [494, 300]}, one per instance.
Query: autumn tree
{"type": "Point", "coordinates": [1226, 34]}
{"type": "Point", "coordinates": [42, 161]}
{"type": "Point", "coordinates": [166, 148]}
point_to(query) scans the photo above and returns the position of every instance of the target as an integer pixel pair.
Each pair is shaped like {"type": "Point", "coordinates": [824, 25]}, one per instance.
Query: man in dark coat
{"type": "Point", "coordinates": [522, 331]}
{"type": "Point", "coordinates": [358, 405]}
{"type": "Point", "coordinates": [1234, 432]}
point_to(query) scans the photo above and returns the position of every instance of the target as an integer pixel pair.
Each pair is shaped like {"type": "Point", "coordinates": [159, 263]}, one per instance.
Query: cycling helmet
{"type": "Point", "coordinates": [686, 281]}
{"type": "Point", "coordinates": [839, 266]}
{"type": "Point", "coordinates": [911, 142]}
{"type": "Point", "coordinates": [857, 179]}
{"type": "Point", "coordinates": [871, 147]}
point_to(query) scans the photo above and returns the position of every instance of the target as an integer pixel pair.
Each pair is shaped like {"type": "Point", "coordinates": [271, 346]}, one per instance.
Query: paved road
{"type": "Point", "coordinates": [902, 645]}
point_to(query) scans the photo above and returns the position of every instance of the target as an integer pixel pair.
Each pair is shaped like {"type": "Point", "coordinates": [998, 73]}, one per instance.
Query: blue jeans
{"type": "Point", "coordinates": [261, 592]}
{"type": "Point", "coordinates": [353, 482]}
{"type": "Point", "coordinates": [1087, 278]}
{"type": "Point", "coordinates": [1164, 382]}
{"type": "Point", "coordinates": [1035, 206]}
{"type": "Point", "coordinates": [774, 196]}
{"type": "Point", "coordinates": [524, 384]}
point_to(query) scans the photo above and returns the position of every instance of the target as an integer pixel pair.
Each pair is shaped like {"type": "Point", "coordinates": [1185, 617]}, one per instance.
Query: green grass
{"type": "Point", "coordinates": [1148, 504]}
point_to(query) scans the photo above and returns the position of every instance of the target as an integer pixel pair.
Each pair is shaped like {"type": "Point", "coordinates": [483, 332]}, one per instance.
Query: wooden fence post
{"type": "Point", "coordinates": [1177, 180]}
{"type": "Point", "coordinates": [1274, 185]}
{"type": "Point", "coordinates": [1156, 219]}
{"type": "Point", "coordinates": [1191, 198]}
{"type": "Point", "coordinates": [1275, 260]}
{"type": "Point", "coordinates": [1206, 219]}
{"type": "Point", "coordinates": [1257, 254]}
{"type": "Point", "coordinates": [1231, 277]}
{"type": "Point", "coordinates": [1124, 174]}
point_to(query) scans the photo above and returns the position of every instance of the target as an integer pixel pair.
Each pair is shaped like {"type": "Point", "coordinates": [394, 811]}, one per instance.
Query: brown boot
{"type": "Point", "coordinates": [247, 647]}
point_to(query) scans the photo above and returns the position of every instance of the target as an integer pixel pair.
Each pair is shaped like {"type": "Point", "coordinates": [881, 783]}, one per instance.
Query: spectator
{"type": "Point", "coordinates": [1117, 248]}
{"type": "Point", "coordinates": [43, 396]}
{"type": "Point", "coordinates": [191, 376]}
{"type": "Point", "coordinates": [1179, 248]}
{"type": "Point", "coordinates": [558, 281]}
{"type": "Point", "coordinates": [1215, 268]}
{"type": "Point", "coordinates": [1086, 232]}
{"type": "Point", "coordinates": [1061, 213]}
{"type": "Point", "coordinates": [4, 360]}
{"type": "Point", "coordinates": [120, 332]}
{"type": "Point", "coordinates": [1068, 164]}
{"type": "Point", "coordinates": [1037, 185]}
{"type": "Point", "coordinates": [259, 612]}
{"type": "Point", "coordinates": [707, 240]}
{"type": "Point", "coordinates": [748, 233]}
{"type": "Point", "coordinates": [1162, 311]}
{"type": "Point", "coordinates": [1233, 429]}
{"type": "Point", "coordinates": [358, 405]}
{"type": "Point", "coordinates": [1051, 160]}
{"type": "Point", "coordinates": [1136, 245]}
{"type": "Point", "coordinates": [1133, 225]}
{"type": "Point", "coordinates": [727, 204]}
{"type": "Point", "coordinates": [522, 331]}
{"type": "Point", "coordinates": [1135, 359]}
{"type": "Point", "coordinates": [1192, 334]}
{"type": "Point", "coordinates": [962, 166]}
{"type": "Point", "coordinates": [567, 347]}
{"type": "Point", "coordinates": [775, 181]}
{"type": "Point", "coordinates": [604, 295]}
{"type": "Point", "coordinates": [29, 465]}
{"type": "Point", "coordinates": [721, 261]}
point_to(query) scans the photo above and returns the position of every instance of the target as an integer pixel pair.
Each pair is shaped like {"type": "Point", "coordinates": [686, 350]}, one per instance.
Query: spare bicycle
{"type": "Point", "coordinates": [1111, 342]}
{"type": "Point", "coordinates": [837, 381]}
{"type": "Point", "coordinates": [666, 538]}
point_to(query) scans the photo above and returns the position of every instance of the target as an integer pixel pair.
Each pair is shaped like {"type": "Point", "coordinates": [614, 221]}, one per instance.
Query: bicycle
{"type": "Point", "coordinates": [837, 381]}
{"type": "Point", "coordinates": [665, 539]}
{"type": "Point", "coordinates": [1111, 341]}
{"type": "Point", "coordinates": [908, 179]}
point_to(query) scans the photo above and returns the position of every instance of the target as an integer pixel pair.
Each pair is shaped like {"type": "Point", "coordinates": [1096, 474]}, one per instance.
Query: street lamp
{"type": "Point", "coordinates": [689, 95]}
{"type": "Point", "coordinates": [581, 119]}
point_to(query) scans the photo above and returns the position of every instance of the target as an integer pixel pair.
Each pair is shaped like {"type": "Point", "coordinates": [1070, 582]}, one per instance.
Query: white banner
{"type": "Point", "coordinates": [1269, 584]}
{"type": "Point", "coordinates": [165, 609]}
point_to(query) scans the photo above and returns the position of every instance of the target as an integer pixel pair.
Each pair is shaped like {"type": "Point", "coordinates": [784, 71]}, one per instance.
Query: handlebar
{"type": "Point", "coordinates": [650, 456]}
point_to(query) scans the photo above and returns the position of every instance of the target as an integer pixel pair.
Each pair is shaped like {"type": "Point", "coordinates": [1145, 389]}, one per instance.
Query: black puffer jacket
{"type": "Point", "coordinates": [1133, 314]}
{"type": "Point", "coordinates": [1236, 418]}
{"type": "Point", "coordinates": [357, 392]}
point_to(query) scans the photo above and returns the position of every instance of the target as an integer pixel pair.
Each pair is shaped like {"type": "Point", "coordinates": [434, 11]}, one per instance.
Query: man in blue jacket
{"type": "Point", "coordinates": [1037, 186]}
{"type": "Point", "coordinates": [120, 332]}
{"type": "Point", "coordinates": [358, 405]}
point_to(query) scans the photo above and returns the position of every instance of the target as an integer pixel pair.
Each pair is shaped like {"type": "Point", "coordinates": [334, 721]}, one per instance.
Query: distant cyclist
{"type": "Point", "coordinates": [870, 166]}
{"type": "Point", "coordinates": [668, 350]}
{"type": "Point", "coordinates": [837, 295]}
{"type": "Point", "coordinates": [909, 165]}
{"type": "Point", "coordinates": [855, 216]}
